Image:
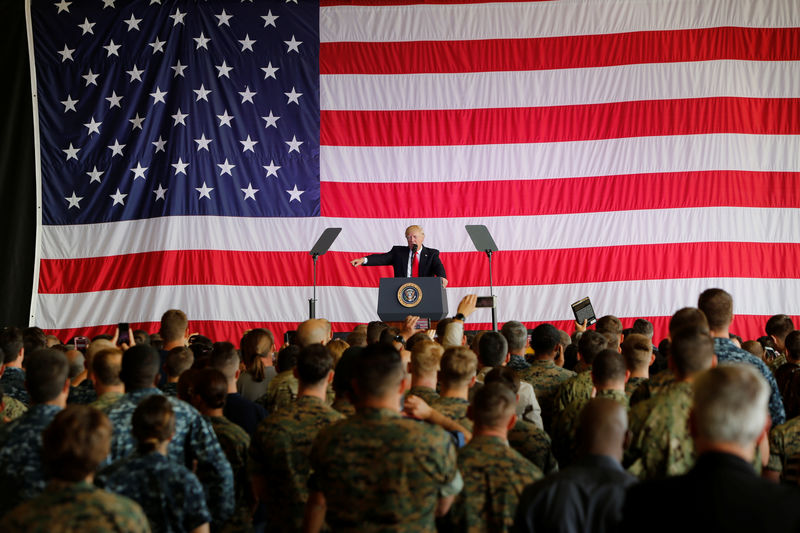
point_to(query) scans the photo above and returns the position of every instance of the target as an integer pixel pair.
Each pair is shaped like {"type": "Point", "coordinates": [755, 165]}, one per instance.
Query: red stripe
{"type": "Point", "coordinates": [572, 51]}
{"type": "Point", "coordinates": [465, 269]}
{"type": "Point", "coordinates": [749, 327]}
{"type": "Point", "coordinates": [563, 196]}
{"type": "Point", "coordinates": [778, 116]}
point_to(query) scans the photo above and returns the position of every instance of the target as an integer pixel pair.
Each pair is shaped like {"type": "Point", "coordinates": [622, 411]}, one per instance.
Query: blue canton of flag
{"type": "Point", "coordinates": [154, 108]}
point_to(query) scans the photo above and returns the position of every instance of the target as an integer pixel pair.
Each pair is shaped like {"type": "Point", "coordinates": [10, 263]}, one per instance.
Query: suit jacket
{"type": "Point", "coordinates": [429, 263]}
{"type": "Point", "coordinates": [720, 493]}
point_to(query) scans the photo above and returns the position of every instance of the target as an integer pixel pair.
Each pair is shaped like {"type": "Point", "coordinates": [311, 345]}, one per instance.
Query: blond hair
{"type": "Point", "coordinates": [458, 366]}
{"type": "Point", "coordinates": [425, 357]}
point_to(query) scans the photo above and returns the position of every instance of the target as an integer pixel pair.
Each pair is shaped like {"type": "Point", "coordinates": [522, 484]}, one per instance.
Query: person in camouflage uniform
{"type": "Point", "coordinates": [637, 351]}
{"type": "Point", "coordinates": [210, 392]}
{"type": "Point", "coordinates": [516, 335]}
{"type": "Point", "coordinates": [279, 454]}
{"type": "Point", "coordinates": [425, 358]}
{"type": "Point", "coordinates": [282, 389]}
{"type": "Point", "coordinates": [194, 438]}
{"type": "Point", "coordinates": [787, 376]}
{"type": "Point", "coordinates": [494, 473]}
{"type": "Point", "coordinates": [608, 377]}
{"type": "Point", "coordinates": [784, 451]}
{"type": "Point", "coordinates": [169, 493]}
{"type": "Point", "coordinates": [777, 328]}
{"type": "Point", "coordinates": [106, 366]}
{"type": "Point", "coordinates": [11, 409]}
{"type": "Point", "coordinates": [661, 445]}
{"type": "Point", "coordinates": [73, 446]}
{"type": "Point", "coordinates": [458, 368]}
{"type": "Point", "coordinates": [376, 470]}
{"type": "Point", "coordinates": [579, 386]}
{"type": "Point", "coordinates": [342, 381]}
{"type": "Point", "coordinates": [12, 376]}
{"type": "Point", "coordinates": [22, 476]}
{"type": "Point", "coordinates": [178, 360]}
{"type": "Point", "coordinates": [543, 374]}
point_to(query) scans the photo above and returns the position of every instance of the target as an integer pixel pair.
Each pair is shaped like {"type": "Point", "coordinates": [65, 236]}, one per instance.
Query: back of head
{"type": "Point", "coordinates": [419, 336]}
{"type": "Point", "coordinates": [643, 327]}
{"type": "Point", "coordinates": [516, 335]}
{"type": "Point", "coordinates": [612, 340]}
{"type": "Point", "coordinates": [602, 428]}
{"type": "Point", "coordinates": [185, 388]}
{"type": "Point", "coordinates": [140, 366]}
{"type": "Point", "coordinates": [336, 348]}
{"type": "Point", "coordinates": [174, 324]}
{"type": "Point", "coordinates": [141, 336]}
{"type": "Point", "coordinates": [390, 335]}
{"type": "Point", "coordinates": [225, 358]}
{"type": "Point", "coordinates": [504, 376]}
{"type": "Point", "coordinates": [637, 350]}
{"type": "Point", "coordinates": [792, 342]}
{"type": "Point", "coordinates": [211, 386]}
{"type": "Point", "coordinates": [179, 360]}
{"type": "Point", "coordinates": [374, 330]}
{"type": "Point", "coordinates": [458, 366]}
{"type": "Point", "coordinates": [314, 363]}
{"type": "Point", "coordinates": [691, 351]}
{"type": "Point", "coordinates": [95, 347]}
{"type": "Point", "coordinates": [378, 371]}
{"type": "Point", "coordinates": [75, 443]}
{"type": "Point", "coordinates": [33, 338]}
{"type": "Point", "coordinates": [493, 348]}
{"type": "Point", "coordinates": [441, 326]}
{"type": "Point", "coordinates": [730, 405]}
{"type": "Point", "coordinates": [717, 305]}
{"type": "Point", "coordinates": [46, 374]}
{"type": "Point", "coordinates": [106, 367]}
{"type": "Point", "coordinates": [11, 343]}
{"type": "Point", "coordinates": [590, 344]}
{"type": "Point", "coordinates": [77, 362]}
{"type": "Point", "coordinates": [608, 369]}
{"type": "Point", "coordinates": [544, 339]}
{"type": "Point", "coordinates": [357, 338]}
{"type": "Point", "coordinates": [779, 326]}
{"type": "Point", "coordinates": [755, 348]}
{"type": "Point", "coordinates": [313, 331]}
{"type": "Point", "coordinates": [255, 344]}
{"type": "Point", "coordinates": [687, 317]}
{"type": "Point", "coordinates": [493, 406]}
{"type": "Point", "coordinates": [153, 422]}
{"type": "Point", "coordinates": [425, 358]}
{"type": "Point", "coordinates": [609, 323]}
{"type": "Point", "coordinates": [345, 370]}
{"type": "Point", "coordinates": [287, 358]}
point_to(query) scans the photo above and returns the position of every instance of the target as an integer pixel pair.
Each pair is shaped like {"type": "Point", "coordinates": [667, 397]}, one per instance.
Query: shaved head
{"type": "Point", "coordinates": [603, 428]}
{"type": "Point", "coordinates": [314, 331]}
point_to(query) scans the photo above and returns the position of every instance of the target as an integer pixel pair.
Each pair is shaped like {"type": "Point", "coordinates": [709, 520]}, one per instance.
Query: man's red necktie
{"type": "Point", "coordinates": [415, 265]}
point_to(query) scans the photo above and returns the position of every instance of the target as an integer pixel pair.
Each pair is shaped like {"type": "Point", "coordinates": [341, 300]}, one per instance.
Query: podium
{"type": "Point", "coordinates": [401, 297]}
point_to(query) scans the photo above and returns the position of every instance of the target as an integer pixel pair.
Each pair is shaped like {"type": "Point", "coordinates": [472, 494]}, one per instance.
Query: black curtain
{"type": "Point", "coordinates": [17, 169]}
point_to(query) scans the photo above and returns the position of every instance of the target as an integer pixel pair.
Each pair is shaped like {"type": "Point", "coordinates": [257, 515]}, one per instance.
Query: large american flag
{"type": "Point", "coordinates": [191, 152]}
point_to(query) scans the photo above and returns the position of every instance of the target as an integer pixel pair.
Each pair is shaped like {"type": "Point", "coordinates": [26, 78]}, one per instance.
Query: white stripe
{"type": "Point", "coordinates": [655, 226]}
{"type": "Point", "coordinates": [546, 19]}
{"type": "Point", "coordinates": [347, 304]}
{"type": "Point", "coordinates": [609, 157]}
{"type": "Point", "coordinates": [543, 88]}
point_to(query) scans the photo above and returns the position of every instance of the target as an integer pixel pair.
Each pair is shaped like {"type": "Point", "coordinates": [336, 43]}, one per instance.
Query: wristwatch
{"type": "Point", "coordinates": [460, 316]}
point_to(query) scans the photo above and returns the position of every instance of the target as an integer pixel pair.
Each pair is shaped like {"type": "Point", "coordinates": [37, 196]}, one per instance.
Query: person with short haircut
{"type": "Point", "coordinates": [400, 472]}
{"type": "Point", "coordinates": [644, 327]}
{"type": "Point", "coordinates": [580, 385]}
{"type": "Point", "coordinates": [170, 494]}
{"type": "Point", "coordinates": [777, 328]}
{"type": "Point", "coordinates": [84, 393]}
{"type": "Point", "coordinates": [755, 348]}
{"type": "Point", "coordinates": [194, 438]}
{"type": "Point", "coordinates": [588, 495]}
{"type": "Point", "coordinates": [209, 393]}
{"type": "Point", "coordinates": [174, 332]}
{"type": "Point", "coordinates": [73, 446]}
{"type": "Point", "coordinates": [238, 409]}
{"type": "Point", "coordinates": [637, 351]}
{"type": "Point", "coordinates": [527, 438]}
{"type": "Point", "coordinates": [661, 445]}
{"type": "Point", "coordinates": [314, 331]}
{"type": "Point", "coordinates": [12, 375]}
{"type": "Point", "coordinates": [345, 399]}
{"type": "Point", "coordinates": [282, 389]}
{"type": "Point", "coordinates": [544, 375]}
{"type": "Point", "coordinates": [718, 308]}
{"type": "Point", "coordinates": [106, 366]}
{"type": "Point", "coordinates": [374, 330]}
{"type": "Point", "coordinates": [258, 351]}
{"type": "Point", "coordinates": [21, 473]}
{"type": "Point", "coordinates": [336, 348]}
{"type": "Point", "coordinates": [178, 360]}
{"type": "Point", "coordinates": [357, 338]}
{"type": "Point", "coordinates": [457, 371]}
{"type": "Point", "coordinates": [279, 453]}
{"type": "Point", "coordinates": [516, 335]}
{"type": "Point", "coordinates": [494, 473]}
{"type": "Point", "coordinates": [611, 327]}
{"type": "Point", "coordinates": [722, 492]}
{"type": "Point", "coordinates": [424, 367]}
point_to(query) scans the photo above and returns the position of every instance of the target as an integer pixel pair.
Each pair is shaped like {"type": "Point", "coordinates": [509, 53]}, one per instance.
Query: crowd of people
{"type": "Point", "coordinates": [394, 429]}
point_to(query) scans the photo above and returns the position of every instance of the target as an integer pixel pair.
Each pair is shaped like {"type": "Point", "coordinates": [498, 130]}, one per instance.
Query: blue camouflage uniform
{"type": "Point", "coordinates": [518, 363]}
{"type": "Point", "coordinates": [194, 440]}
{"type": "Point", "coordinates": [170, 494]}
{"type": "Point", "coordinates": [21, 471]}
{"type": "Point", "coordinates": [83, 394]}
{"type": "Point", "coordinates": [13, 383]}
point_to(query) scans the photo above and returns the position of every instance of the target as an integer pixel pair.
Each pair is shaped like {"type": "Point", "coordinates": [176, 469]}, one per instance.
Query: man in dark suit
{"type": "Point", "coordinates": [413, 260]}
{"type": "Point", "coordinates": [722, 491]}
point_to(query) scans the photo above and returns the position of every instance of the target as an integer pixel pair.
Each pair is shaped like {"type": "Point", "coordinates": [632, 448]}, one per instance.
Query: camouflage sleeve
{"type": "Point", "coordinates": [776, 450]}
{"type": "Point", "coordinates": [213, 468]}
{"type": "Point", "coordinates": [195, 513]}
{"type": "Point", "coordinates": [315, 462]}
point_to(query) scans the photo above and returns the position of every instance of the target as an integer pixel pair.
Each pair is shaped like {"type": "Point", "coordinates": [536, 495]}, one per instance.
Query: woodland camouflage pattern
{"type": "Point", "coordinates": [12, 409]}
{"type": "Point", "coordinates": [546, 377]}
{"type": "Point", "coordinates": [426, 393]}
{"type": "Point", "coordinates": [235, 442]}
{"type": "Point", "coordinates": [784, 450]}
{"type": "Point", "coordinates": [281, 392]}
{"type": "Point", "coordinates": [533, 444]}
{"type": "Point", "coordinates": [578, 387]}
{"type": "Point", "coordinates": [454, 408]}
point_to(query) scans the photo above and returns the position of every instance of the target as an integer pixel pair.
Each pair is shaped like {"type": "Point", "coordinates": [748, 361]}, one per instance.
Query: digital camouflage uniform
{"type": "Point", "coordinates": [83, 394]}
{"type": "Point", "coordinates": [194, 440]}
{"type": "Point", "coordinates": [784, 450]}
{"type": "Point", "coordinates": [235, 442]}
{"type": "Point", "coordinates": [426, 393]}
{"type": "Point", "coordinates": [546, 377]}
{"type": "Point", "coordinates": [518, 363]}
{"type": "Point", "coordinates": [13, 384]}
{"type": "Point", "coordinates": [775, 363]}
{"type": "Point", "coordinates": [21, 471]}
{"type": "Point", "coordinates": [661, 445]}
{"type": "Point", "coordinates": [344, 406]}
{"type": "Point", "coordinates": [454, 408]}
{"type": "Point", "coordinates": [170, 389]}
{"type": "Point", "coordinates": [632, 385]}
{"type": "Point", "coordinates": [76, 507]}
{"type": "Point", "coordinates": [533, 444]}
{"type": "Point", "coordinates": [281, 392]}
{"type": "Point", "coordinates": [494, 477]}
{"type": "Point", "coordinates": [169, 493]}
{"type": "Point", "coordinates": [12, 409]}
{"type": "Point", "coordinates": [565, 427]}
{"type": "Point", "coordinates": [578, 387]}
{"type": "Point", "coordinates": [280, 454]}
{"type": "Point", "coordinates": [107, 400]}
{"type": "Point", "coordinates": [379, 471]}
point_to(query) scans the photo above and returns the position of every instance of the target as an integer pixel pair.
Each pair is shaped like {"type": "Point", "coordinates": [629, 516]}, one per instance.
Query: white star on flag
{"type": "Point", "coordinates": [223, 19]}
{"type": "Point", "coordinates": [294, 45]}
{"type": "Point", "coordinates": [250, 192]}
{"type": "Point", "coordinates": [202, 93]}
{"type": "Point", "coordinates": [202, 142]}
{"type": "Point", "coordinates": [294, 144]}
{"type": "Point", "coordinates": [179, 118]}
{"type": "Point", "coordinates": [69, 104]}
{"type": "Point", "coordinates": [178, 68]}
{"type": "Point", "coordinates": [114, 100]}
{"type": "Point", "coordinates": [159, 96]}
{"type": "Point", "coordinates": [94, 174]}
{"type": "Point", "coordinates": [72, 152]}
{"type": "Point", "coordinates": [225, 119]}
{"type": "Point", "coordinates": [180, 167]}
{"type": "Point", "coordinates": [225, 168]}
{"type": "Point", "coordinates": [294, 194]}
{"type": "Point", "coordinates": [272, 169]}
{"type": "Point", "coordinates": [160, 192]}
{"type": "Point", "coordinates": [269, 71]}
{"type": "Point", "coordinates": [247, 43]}
{"type": "Point", "coordinates": [112, 49]}
{"type": "Point", "coordinates": [116, 148]}
{"type": "Point", "coordinates": [294, 96]}
{"type": "Point", "coordinates": [133, 23]}
{"type": "Point", "coordinates": [135, 73]}
{"type": "Point", "coordinates": [177, 17]}
{"type": "Point", "coordinates": [94, 127]}
{"type": "Point", "coordinates": [248, 144]}
{"type": "Point", "coordinates": [87, 28]}
{"type": "Point", "coordinates": [119, 198]}
{"type": "Point", "coordinates": [136, 121]}
{"type": "Point", "coordinates": [160, 144]}
{"type": "Point", "coordinates": [269, 19]}
{"type": "Point", "coordinates": [202, 41]}
{"type": "Point", "coordinates": [205, 191]}
{"type": "Point", "coordinates": [138, 171]}
{"type": "Point", "coordinates": [271, 120]}
{"type": "Point", "coordinates": [91, 78]}
{"type": "Point", "coordinates": [247, 95]}
{"type": "Point", "coordinates": [66, 53]}
{"type": "Point", "coordinates": [63, 6]}
{"type": "Point", "coordinates": [73, 200]}
{"type": "Point", "coordinates": [158, 45]}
